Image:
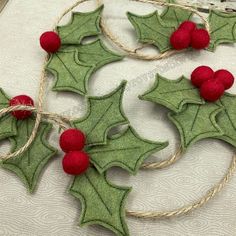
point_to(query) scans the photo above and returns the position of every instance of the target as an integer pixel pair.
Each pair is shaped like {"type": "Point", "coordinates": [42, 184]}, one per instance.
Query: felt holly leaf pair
{"type": "Point", "coordinates": [156, 29]}
{"type": "Point", "coordinates": [125, 149]}
{"type": "Point", "coordinates": [29, 165]}
{"type": "Point", "coordinates": [102, 202]}
{"type": "Point", "coordinates": [74, 64]}
{"type": "Point", "coordinates": [194, 118]}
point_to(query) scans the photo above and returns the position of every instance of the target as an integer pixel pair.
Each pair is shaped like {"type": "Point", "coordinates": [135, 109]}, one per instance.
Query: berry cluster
{"type": "Point", "coordinates": [212, 84]}
{"type": "Point", "coordinates": [75, 161]}
{"type": "Point", "coordinates": [72, 141]}
{"type": "Point", "coordinates": [189, 35]}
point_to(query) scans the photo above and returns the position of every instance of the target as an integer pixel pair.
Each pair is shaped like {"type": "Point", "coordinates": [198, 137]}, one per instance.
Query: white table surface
{"type": "Point", "coordinates": [51, 210]}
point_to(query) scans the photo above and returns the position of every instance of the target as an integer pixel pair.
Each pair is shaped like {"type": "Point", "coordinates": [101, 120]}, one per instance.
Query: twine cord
{"type": "Point", "coordinates": [65, 122]}
{"type": "Point", "coordinates": [187, 209]}
{"type": "Point", "coordinates": [166, 163]}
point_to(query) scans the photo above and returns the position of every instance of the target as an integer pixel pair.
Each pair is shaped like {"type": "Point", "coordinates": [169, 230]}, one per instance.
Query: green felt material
{"type": "Point", "coordinates": [175, 16]}
{"type": "Point", "coordinates": [81, 25]}
{"type": "Point", "coordinates": [227, 118]}
{"type": "Point", "coordinates": [29, 165]}
{"type": "Point", "coordinates": [7, 122]}
{"type": "Point", "coordinates": [197, 122]}
{"type": "Point", "coordinates": [152, 29]}
{"type": "Point", "coordinates": [222, 28]}
{"type": "Point", "coordinates": [155, 29]}
{"type": "Point", "coordinates": [102, 202]}
{"type": "Point", "coordinates": [173, 94]}
{"type": "Point", "coordinates": [103, 113]}
{"type": "Point", "coordinates": [126, 150]}
{"type": "Point", "coordinates": [96, 54]}
{"type": "Point", "coordinates": [194, 118]}
{"type": "Point", "coordinates": [70, 73]}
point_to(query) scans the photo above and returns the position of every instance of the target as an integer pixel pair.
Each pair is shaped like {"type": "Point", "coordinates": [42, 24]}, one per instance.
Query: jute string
{"type": "Point", "coordinates": [187, 209]}
{"type": "Point", "coordinates": [65, 122]}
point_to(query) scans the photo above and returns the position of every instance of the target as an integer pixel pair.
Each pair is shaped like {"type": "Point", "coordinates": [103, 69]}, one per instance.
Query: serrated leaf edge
{"type": "Point", "coordinates": [213, 46]}
{"type": "Point", "coordinates": [121, 86]}
{"type": "Point", "coordinates": [138, 31]}
{"type": "Point", "coordinates": [69, 88]}
{"type": "Point", "coordinates": [161, 145]}
{"type": "Point", "coordinates": [99, 9]}
{"type": "Point", "coordinates": [225, 137]}
{"type": "Point", "coordinates": [165, 11]}
{"type": "Point", "coordinates": [118, 57]}
{"type": "Point", "coordinates": [20, 174]}
{"type": "Point", "coordinates": [99, 222]}
{"type": "Point", "coordinates": [196, 138]}
{"type": "Point", "coordinates": [164, 102]}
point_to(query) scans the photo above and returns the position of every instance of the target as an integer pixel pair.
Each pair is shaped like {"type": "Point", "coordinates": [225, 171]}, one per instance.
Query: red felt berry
{"type": "Point", "coordinates": [180, 39]}
{"type": "Point", "coordinates": [188, 25]}
{"type": "Point", "coordinates": [201, 74]}
{"type": "Point", "coordinates": [200, 39]}
{"type": "Point", "coordinates": [21, 100]}
{"type": "Point", "coordinates": [212, 90]}
{"type": "Point", "coordinates": [75, 162]}
{"type": "Point", "coordinates": [225, 77]}
{"type": "Point", "coordinates": [50, 41]}
{"type": "Point", "coordinates": [72, 140]}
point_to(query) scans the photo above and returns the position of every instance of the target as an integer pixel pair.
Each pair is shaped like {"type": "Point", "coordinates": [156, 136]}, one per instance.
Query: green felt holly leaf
{"type": "Point", "coordinates": [29, 165]}
{"type": "Point", "coordinates": [7, 122]}
{"type": "Point", "coordinates": [222, 28]}
{"type": "Point", "coordinates": [95, 53]}
{"type": "Point", "coordinates": [103, 113]}
{"type": "Point", "coordinates": [102, 202]}
{"type": "Point", "coordinates": [155, 29]}
{"type": "Point", "coordinates": [82, 25]}
{"type": "Point", "coordinates": [71, 74]}
{"type": "Point", "coordinates": [227, 118]}
{"type": "Point", "coordinates": [127, 150]}
{"type": "Point", "coordinates": [197, 122]}
{"type": "Point", "coordinates": [174, 16]}
{"type": "Point", "coordinates": [152, 29]}
{"type": "Point", "coordinates": [173, 94]}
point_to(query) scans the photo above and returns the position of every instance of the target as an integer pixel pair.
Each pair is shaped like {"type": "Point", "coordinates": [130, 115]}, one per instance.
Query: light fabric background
{"type": "Point", "coordinates": [52, 211]}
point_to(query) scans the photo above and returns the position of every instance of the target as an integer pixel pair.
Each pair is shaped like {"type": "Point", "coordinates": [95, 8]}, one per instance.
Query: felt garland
{"type": "Point", "coordinates": [72, 65]}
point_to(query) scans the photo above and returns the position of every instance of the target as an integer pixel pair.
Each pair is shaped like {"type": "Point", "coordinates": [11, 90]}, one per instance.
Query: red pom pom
{"type": "Point", "coordinates": [224, 77]}
{"type": "Point", "coordinates": [72, 140]}
{"type": "Point", "coordinates": [50, 41]}
{"type": "Point", "coordinates": [180, 39]}
{"type": "Point", "coordinates": [75, 163]}
{"type": "Point", "coordinates": [201, 74]}
{"type": "Point", "coordinates": [200, 39]}
{"type": "Point", "coordinates": [188, 25]}
{"type": "Point", "coordinates": [21, 100]}
{"type": "Point", "coordinates": [212, 90]}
